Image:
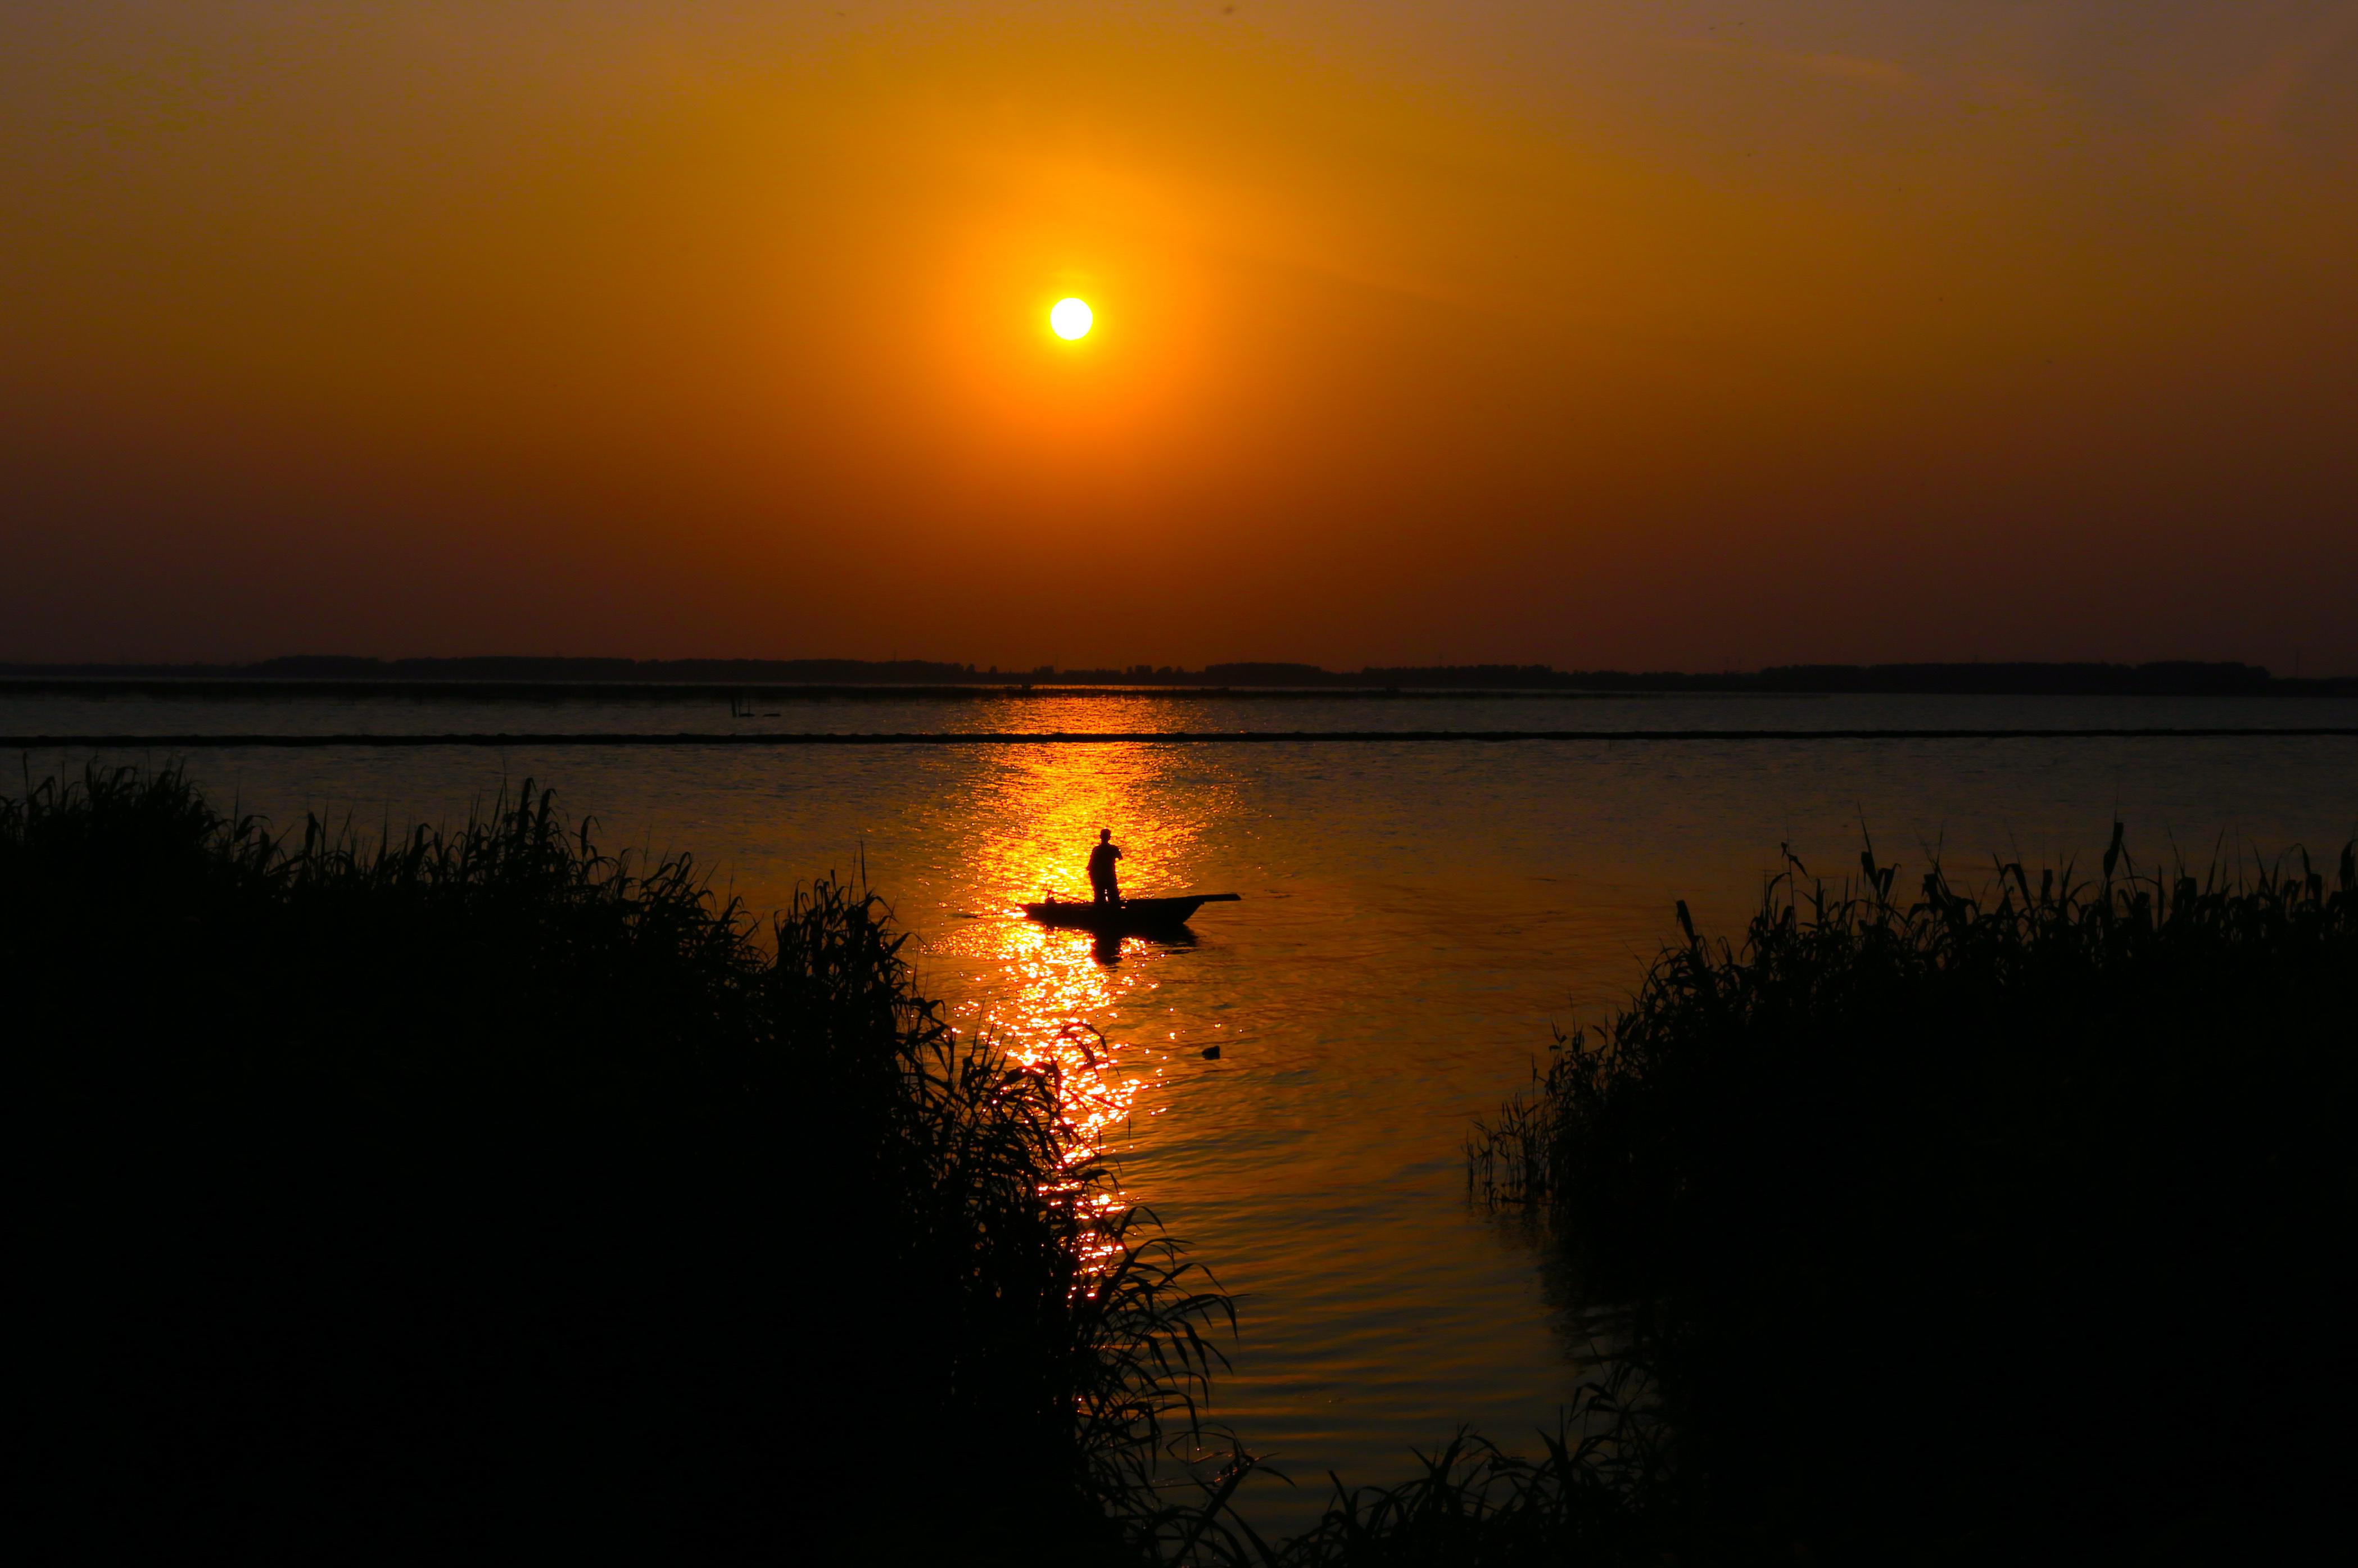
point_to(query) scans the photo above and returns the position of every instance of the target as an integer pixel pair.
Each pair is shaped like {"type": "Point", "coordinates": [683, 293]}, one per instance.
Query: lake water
{"type": "Point", "coordinates": [1416, 916]}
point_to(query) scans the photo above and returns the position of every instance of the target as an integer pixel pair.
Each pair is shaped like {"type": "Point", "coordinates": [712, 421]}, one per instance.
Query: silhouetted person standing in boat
{"type": "Point", "coordinates": [1104, 883]}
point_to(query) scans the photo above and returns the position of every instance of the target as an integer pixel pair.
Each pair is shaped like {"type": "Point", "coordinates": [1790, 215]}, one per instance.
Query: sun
{"type": "Point", "coordinates": [1070, 318]}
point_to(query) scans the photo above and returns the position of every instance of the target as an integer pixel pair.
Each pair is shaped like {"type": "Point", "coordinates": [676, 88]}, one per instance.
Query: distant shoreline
{"type": "Point", "coordinates": [551, 680]}
{"type": "Point", "coordinates": [371, 738]}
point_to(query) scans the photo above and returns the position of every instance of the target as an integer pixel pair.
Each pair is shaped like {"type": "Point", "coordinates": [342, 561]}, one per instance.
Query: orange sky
{"type": "Point", "coordinates": [1635, 332]}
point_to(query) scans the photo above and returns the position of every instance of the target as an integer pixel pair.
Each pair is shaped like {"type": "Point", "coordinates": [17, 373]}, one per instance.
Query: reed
{"type": "Point", "coordinates": [1968, 1212]}
{"type": "Point", "coordinates": [446, 1191]}
{"type": "Point", "coordinates": [1603, 1489]}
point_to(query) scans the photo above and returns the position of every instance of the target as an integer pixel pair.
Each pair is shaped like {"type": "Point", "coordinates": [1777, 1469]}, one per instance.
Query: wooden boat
{"type": "Point", "coordinates": [1131, 915]}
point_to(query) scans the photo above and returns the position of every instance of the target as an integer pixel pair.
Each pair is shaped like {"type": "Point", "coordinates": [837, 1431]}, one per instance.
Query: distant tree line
{"type": "Point", "coordinates": [2165, 678]}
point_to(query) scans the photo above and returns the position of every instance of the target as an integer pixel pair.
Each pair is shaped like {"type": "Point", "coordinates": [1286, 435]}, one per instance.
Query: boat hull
{"type": "Point", "coordinates": [1131, 915]}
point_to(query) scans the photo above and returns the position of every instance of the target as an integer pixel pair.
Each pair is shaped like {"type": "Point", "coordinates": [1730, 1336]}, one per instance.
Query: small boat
{"type": "Point", "coordinates": [1131, 915]}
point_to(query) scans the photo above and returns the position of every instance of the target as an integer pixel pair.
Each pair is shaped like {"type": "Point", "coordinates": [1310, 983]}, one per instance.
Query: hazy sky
{"type": "Point", "coordinates": [1602, 332]}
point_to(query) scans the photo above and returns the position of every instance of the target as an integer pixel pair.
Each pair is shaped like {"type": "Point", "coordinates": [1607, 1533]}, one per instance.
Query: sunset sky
{"type": "Point", "coordinates": [1662, 333]}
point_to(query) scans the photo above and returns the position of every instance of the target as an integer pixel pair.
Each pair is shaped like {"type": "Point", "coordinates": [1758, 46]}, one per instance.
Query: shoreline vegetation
{"type": "Point", "coordinates": [1951, 1220]}
{"type": "Point", "coordinates": [509, 678]}
{"type": "Point", "coordinates": [385, 1194]}
{"type": "Point", "coordinates": [476, 1188]}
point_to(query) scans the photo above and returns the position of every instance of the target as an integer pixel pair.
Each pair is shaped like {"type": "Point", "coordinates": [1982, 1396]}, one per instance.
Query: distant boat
{"type": "Point", "coordinates": [1131, 915]}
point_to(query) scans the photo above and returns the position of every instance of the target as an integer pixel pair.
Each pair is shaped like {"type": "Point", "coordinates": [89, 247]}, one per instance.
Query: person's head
{"type": "Point", "coordinates": [1105, 835]}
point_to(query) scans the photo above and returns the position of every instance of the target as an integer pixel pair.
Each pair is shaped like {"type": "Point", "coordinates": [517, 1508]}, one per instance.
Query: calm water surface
{"type": "Point", "coordinates": [1416, 918]}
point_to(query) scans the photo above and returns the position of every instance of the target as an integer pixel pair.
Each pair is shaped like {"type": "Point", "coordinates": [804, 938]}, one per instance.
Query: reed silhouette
{"type": "Point", "coordinates": [478, 1190]}
{"type": "Point", "coordinates": [1951, 1223]}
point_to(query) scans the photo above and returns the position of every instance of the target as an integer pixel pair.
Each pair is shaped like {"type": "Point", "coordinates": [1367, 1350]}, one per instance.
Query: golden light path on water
{"type": "Point", "coordinates": [1059, 999]}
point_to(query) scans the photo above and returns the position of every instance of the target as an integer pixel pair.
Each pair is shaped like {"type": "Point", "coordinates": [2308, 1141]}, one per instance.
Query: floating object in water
{"type": "Point", "coordinates": [1138, 916]}
{"type": "Point", "coordinates": [1211, 1053]}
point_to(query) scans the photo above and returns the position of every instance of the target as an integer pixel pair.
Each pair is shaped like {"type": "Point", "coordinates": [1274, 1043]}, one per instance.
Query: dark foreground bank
{"type": "Point", "coordinates": [1971, 1228]}
{"type": "Point", "coordinates": [470, 1192]}
{"type": "Point", "coordinates": [477, 1192]}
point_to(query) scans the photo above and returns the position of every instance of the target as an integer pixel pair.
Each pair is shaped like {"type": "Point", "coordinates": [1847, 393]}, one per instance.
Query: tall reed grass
{"type": "Point", "coordinates": [1971, 1222]}
{"type": "Point", "coordinates": [470, 1191]}
{"type": "Point", "coordinates": [1603, 1489]}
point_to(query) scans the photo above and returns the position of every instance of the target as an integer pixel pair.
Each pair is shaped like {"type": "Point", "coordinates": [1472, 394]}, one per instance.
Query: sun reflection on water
{"type": "Point", "coordinates": [1057, 999]}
